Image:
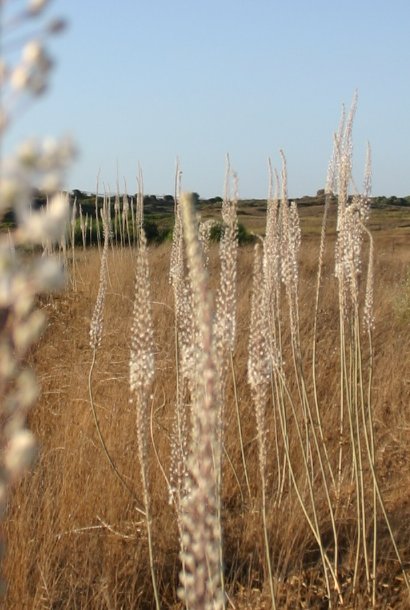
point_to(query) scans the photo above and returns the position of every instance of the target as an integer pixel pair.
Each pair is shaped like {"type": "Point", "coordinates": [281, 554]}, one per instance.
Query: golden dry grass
{"type": "Point", "coordinates": [74, 536]}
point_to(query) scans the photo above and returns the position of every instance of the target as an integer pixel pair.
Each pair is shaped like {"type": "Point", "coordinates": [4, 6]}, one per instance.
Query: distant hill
{"type": "Point", "coordinates": [163, 205]}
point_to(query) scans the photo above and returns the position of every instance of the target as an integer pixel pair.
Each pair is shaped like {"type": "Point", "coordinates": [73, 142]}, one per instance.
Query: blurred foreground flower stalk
{"type": "Point", "coordinates": [25, 233]}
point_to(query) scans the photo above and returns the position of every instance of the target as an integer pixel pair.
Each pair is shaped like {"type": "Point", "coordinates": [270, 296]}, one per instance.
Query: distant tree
{"type": "Point", "coordinates": [39, 199]}
{"type": "Point", "coordinates": [151, 231]}
{"type": "Point", "coordinates": [169, 198]}
{"type": "Point", "coordinates": [150, 199]}
{"type": "Point", "coordinates": [244, 237]}
{"type": "Point", "coordinates": [79, 194]}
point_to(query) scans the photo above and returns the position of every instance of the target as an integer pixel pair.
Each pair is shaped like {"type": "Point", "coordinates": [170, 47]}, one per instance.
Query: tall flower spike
{"type": "Point", "coordinates": [142, 333]}
{"type": "Point", "coordinates": [260, 359]}
{"type": "Point", "coordinates": [96, 327]}
{"type": "Point", "coordinates": [201, 545]}
{"type": "Point", "coordinates": [368, 310]}
{"type": "Point", "coordinates": [226, 297]}
{"type": "Point", "coordinates": [142, 372]}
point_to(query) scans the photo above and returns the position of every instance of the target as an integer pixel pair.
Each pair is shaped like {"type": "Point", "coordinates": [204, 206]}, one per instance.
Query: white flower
{"type": "Point", "coordinates": [50, 183]}
{"type": "Point", "coordinates": [3, 71]}
{"type": "Point", "coordinates": [20, 78]}
{"type": "Point", "coordinates": [48, 274]}
{"type": "Point", "coordinates": [20, 452]}
{"type": "Point", "coordinates": [28, 153]}
{"type": "Point", "coordinates": [28, 331]}
{"type": "Point", "coordinates": [36, 6]}
{"type": "Point", "coordinates": [4, 120]}
{"type": "Point", "coordinates": [49, 223]}
{"type": "Point", "coordinates": [33, 52]}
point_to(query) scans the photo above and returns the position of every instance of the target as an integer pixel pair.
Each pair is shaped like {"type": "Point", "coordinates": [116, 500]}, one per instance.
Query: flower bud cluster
{"type": "Point", "coordinates": [176, 270]}
{"type": "Point", "coordinates": [142, 366]}
{"type": "Point", "coordinates": [142, 333]}
{"type": "Point", "coordinates": [125, 206]}
{"type": "Point", "coordinates": [291, 240]}
{"type": "Point", "coordinates": [368, 308]}
{"type": "Point", "coordinates": [259, 361]}
{"type": "Point", "coordinates": [184, 315]}
{"type": "Point", "coordinates": [272, 244]}
{"type": "Point", "coordinates": [96, 326]}
{"type": "Point", "coordinates": [35, 165]}
{"type": "Point", "coordinates": [179, 483]}
{"type": "Point", "coordinates": [352, 215]}
{"type": "Point", "coordinates": [29, 75]}
{"type": "Point", "coordinates": [201, 545]}
{"type": "Point", "coordinates": [186, 329]}
{"type": "Point", "coordinates": [187, 358]}
{"type": "Point", "coordinates": [20, 326]}
{"type": "Point", "coordinates": [260, 358]}
{"type": "Point", "coordinates": [32, 73]}
{"type": "Point", "coordinates": [225, 327]}
{"type": "Point", "coordinates": [204, 236]}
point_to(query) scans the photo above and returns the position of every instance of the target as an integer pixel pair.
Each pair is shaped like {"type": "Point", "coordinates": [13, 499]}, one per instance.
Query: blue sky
{"type": "Point", "coordinates": [147, 80]}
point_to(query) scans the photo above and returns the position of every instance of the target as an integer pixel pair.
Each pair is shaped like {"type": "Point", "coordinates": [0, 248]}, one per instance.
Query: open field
{"type": "Point", "coordinates": [381, 219]}
{"type": "Point", "coordinates": [75, 537]}
{"type": "Point", "coordinates": [204, 402]}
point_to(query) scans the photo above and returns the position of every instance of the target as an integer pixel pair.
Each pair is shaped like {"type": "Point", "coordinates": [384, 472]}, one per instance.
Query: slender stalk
{"type": "Point", "coordinates": [368, 436]}
{"type": "Point", "coordinates": [267, 549]}
{"type": "Point", "coordinates": [73, 262]}
{"type": "Point", "coordinates": [314, 340]}
{"type": "Point", "coordinates": [239, 423]}
{"type": "Point", "coordinates": [359, 389]}
{"type": "Point", "coordinates": [312, 522]}
{"type": "Point", "coordinates": [372, 459]}
{"type": "Point", "coordinates": [148, 519]}
{"type": "Point", "coordinates": [102, 440]}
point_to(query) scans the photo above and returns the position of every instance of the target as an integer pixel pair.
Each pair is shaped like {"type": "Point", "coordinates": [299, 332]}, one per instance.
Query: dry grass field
{"type": "Point", "coordinates": [76, 538]}
{"type": "Point", "coordinates": [218, 425]}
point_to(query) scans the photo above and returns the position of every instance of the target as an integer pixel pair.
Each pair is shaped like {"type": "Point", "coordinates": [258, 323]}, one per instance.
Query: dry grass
{"type": "Point", "coordinates": [74, 536]}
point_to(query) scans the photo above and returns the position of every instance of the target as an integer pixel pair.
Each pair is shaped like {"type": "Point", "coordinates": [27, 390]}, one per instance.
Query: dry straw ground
{"type": "Point", "coordinates": [75, 537]}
